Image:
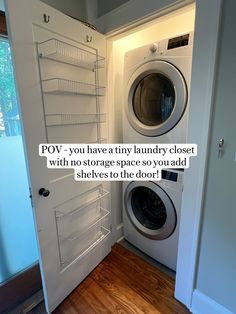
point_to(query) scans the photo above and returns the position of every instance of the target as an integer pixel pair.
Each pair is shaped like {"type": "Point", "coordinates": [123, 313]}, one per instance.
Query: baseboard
{"type": "Point", "coordinates": [202, 304]}
{"type": "Point", "coordinates": [119, 232]}
{"type": "Point", "coordinates": [120, 239]}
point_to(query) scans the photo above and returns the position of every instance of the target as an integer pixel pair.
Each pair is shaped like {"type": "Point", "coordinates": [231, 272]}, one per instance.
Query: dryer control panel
{"type": "Point", "coordinates": [177, 42]}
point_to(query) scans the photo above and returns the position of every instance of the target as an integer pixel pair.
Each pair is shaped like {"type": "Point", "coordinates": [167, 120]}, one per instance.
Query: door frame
{"type": "Point", "coordinates": [206, 37]}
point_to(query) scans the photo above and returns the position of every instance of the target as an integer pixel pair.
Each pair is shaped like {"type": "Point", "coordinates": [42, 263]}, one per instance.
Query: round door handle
{"type": "Point", "coordinates": [44, 192]}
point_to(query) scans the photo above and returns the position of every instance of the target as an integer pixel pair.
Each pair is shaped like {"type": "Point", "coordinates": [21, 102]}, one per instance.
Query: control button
{"type": "Point", "coordinates": [153, 48]}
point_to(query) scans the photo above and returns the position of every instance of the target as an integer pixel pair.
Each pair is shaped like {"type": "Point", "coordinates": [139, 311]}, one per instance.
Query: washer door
{"type": "Point", "coordinates": [156, 98]}
{"type": "Point", "coordinates": [150, 210]}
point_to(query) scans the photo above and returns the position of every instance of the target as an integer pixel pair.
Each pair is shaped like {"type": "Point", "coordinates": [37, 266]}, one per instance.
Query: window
{"type": "Point", "coordinates": [9, 116]}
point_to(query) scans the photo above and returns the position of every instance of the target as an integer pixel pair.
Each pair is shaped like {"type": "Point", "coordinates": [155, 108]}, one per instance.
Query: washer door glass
{"type": "Point", "coordinates": [153, 99]}
{"type": "Point", "coordinates": [150, 209]}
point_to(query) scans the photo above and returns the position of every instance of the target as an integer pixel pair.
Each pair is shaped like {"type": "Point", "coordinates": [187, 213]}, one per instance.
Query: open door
{"type": "Point", "coordinates": [60, 77]}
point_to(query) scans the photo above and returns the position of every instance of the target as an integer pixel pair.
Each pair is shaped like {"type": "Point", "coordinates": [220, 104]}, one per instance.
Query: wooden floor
{"type": "Point", "coordinates": [123, 283]}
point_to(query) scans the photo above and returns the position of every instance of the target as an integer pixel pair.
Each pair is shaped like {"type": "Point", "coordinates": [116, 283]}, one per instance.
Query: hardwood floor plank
{"type": "Point", "coordinates": [93, 295]}
{"type": "Point", "coordinates": [76, 303]}
{"type": "Point", "coordinates": [138, 289]}
{"type": "Point", "coordinates": [114, 303]}
{"type": "Point", "coordinates": [150, 287]}
{"type": "Point", "coordinates": [121, 292]}
{"type": "Point", "coordinates": [135, 261]}
{"type": "Point", "coordinates": [124, 284]}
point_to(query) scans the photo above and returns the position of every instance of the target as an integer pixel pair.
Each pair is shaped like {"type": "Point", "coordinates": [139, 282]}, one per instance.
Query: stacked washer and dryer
{"type": "Point", "coordinates": [156, 95]}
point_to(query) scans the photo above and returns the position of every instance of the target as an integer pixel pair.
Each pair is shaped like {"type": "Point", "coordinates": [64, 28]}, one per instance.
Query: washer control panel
{"type": "Point", "coordinates": [172, 176]}
{"type": "Point", "coordinates": [169, 175]}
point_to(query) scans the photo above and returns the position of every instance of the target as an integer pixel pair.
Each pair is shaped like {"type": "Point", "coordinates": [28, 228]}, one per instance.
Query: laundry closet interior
{"type": "Point", "coordinates": [165, 27]}
{"type": "Point", "coordinates": [78, 80]}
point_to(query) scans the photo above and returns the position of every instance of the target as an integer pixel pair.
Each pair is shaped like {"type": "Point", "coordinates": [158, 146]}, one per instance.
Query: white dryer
{"type": "Point", "coordinates": [151, 214]}
{"type": "Point", "coordinates": [156, 91]}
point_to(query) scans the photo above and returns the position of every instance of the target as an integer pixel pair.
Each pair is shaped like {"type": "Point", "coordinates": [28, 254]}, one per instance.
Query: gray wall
{"type": "Point", "coordinates": [75, 8]}
{"type": "Point", "coordinates": [105, 6]}
{"type": "Point", "coordinates": [134, 10]}
{"type": "Point", "coordinates": [217, 261]}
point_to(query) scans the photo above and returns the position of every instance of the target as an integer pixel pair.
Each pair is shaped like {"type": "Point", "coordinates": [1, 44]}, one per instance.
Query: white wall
{"type": "Point", "coordinates": [216, 269]}
{"type": "Point", "coordinates": [74, 8]}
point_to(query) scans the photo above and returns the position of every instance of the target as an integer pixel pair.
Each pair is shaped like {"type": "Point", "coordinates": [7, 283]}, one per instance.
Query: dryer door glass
{"type": "Point", "coordinates": [153, 99]}
{"type": "Point", "coordinates": [156, 98]}
{"type": "Point", "coordinates": [148, 208]}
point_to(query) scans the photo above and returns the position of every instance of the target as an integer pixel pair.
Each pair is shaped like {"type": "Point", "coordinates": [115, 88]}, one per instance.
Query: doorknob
{"type": "Point", "coordinates": [44, 192]}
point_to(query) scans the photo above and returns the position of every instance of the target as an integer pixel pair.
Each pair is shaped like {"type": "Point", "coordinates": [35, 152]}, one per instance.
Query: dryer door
{"type": "Point", "coordinates": [150, 210]}
{"type": "Point", "coordinates": [156, 98]}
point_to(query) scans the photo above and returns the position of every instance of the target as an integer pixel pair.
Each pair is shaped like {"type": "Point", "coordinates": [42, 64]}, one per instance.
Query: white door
{"type": "Point", "coordinates": [57, 79]}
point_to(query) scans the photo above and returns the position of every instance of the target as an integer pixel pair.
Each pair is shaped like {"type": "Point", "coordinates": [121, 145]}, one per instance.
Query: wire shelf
{"type": "Point", "coordinates": [74, 119]}
{"type": "Point", "coordinates": [81, 213]}
{"type": "Point", "coordinates": [73, 252]}
{"type": "Point", "coordinates": [85, 200]}
{"type": "Point", "coordinates": [59, 86]}
{"type": "Point", "coordinates": [99, 141]}
{"type": "Point", "coordinates": [82, 224]}
{"type": "Point", "coordinates": [101, 215]}
{"type": "Point", "coordinates": [56, 50]}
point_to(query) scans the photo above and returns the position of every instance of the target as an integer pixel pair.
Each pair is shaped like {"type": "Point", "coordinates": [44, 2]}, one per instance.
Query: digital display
{"type": "Point", "coordinates": [178, 42]}
{"type": "Point", "coordinates": [168, 175]}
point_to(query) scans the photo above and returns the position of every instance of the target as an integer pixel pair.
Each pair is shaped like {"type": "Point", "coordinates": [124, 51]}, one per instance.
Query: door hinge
{"type": "Point", "coordinates": [31, 197]}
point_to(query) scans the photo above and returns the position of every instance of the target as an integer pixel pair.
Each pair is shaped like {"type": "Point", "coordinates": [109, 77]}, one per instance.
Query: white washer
{"type": "Point", "coordinates": [156, 91]}
{"type": "Point", "coordinates": [151, 214]}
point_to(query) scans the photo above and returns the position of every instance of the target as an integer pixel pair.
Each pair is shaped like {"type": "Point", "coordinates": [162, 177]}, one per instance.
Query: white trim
{"type": "Point", "coordinates": [123, 18]}
{"type": "Point", "coordinates": [201, 99]}
{"type": "Point", "coordinates": [119, 232]}
{"type": "Point", "coordinates": [120, 239]}
{"type": "Point", "coordinates": [202, 304]}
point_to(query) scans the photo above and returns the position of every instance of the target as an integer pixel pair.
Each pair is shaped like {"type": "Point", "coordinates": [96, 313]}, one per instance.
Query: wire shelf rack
{"type": "Point", "coordinates": [72, 252]}
{"type": "Point", "coordinates": [74, 119]}
{"type": "Point", "coordinates": [56, 50]}
{"type": "Point", "coordinates": [85, 200]}
{"type": "Point", "coordinates": [59, 86]}
{"type": "Point", "coordinates": [82, 224]}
